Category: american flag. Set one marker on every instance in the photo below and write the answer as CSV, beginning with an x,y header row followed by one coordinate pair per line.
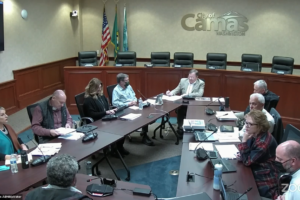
x,y
105,41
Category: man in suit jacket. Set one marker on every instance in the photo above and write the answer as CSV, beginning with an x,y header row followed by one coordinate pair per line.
x,y
191,86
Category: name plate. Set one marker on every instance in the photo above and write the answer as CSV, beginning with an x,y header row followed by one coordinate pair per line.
x,y
280,72
247,70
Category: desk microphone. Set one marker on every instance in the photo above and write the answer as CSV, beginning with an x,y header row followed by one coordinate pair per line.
x,y
41,160
244,193
210,111
204,140
89,137
146,104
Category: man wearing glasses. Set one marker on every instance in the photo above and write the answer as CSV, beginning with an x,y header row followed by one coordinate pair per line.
x,y
257,102
50,115
288,155
123,95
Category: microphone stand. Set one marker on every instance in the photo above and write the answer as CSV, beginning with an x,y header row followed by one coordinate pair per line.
x,y
204,140
244,193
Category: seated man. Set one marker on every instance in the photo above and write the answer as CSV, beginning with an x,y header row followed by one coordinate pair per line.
x,y
123,94
257,102
260,87
61,176
288,155
50,115
191,86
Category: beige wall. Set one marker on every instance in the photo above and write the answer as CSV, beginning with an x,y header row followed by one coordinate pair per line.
x,y
49,33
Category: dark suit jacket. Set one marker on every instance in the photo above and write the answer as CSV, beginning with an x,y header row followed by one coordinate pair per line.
x,y
95,108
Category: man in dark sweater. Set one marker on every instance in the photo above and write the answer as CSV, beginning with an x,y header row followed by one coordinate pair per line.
x,y
50,115
61,176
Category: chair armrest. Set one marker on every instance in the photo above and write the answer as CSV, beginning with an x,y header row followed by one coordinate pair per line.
x,y
85,120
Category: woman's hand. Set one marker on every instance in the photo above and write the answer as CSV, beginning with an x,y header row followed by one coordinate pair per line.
x,y
110,112
247,136
7,157
24,147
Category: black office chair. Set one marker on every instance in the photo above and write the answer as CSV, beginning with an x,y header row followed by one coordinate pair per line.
x,y
160,59
271,104
79,99
291,133
251,62
216,61
110,90
278,127
87,58
183,59
282,65
126,58
30,110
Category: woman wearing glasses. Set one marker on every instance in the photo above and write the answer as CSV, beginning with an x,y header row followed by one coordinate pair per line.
x,y
258,150
96,106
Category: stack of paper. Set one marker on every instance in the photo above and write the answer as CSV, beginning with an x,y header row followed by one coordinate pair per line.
x,y
194,124
206,146
72,136
47,149
227,151
225,116
171,98
63,131
151,101
216,99
7,162
131,116
228,136
134,107
202,99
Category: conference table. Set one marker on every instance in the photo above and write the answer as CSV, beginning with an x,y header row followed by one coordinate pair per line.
x,y
242,179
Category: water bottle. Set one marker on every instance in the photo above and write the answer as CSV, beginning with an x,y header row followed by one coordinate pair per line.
x,y
89,168
140,103
217,176
13,163
24,159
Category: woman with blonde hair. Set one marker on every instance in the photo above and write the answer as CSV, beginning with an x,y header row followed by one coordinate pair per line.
x,y
96,106
9,141
258,151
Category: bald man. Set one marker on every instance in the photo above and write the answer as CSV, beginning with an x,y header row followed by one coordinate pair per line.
x,y
49,116
288,154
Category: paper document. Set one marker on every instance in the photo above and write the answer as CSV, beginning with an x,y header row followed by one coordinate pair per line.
x,y
131,116
171,98
227,151
228,135
205,146
47,149
229,140
225,115
72,136
216,99
151,101
202,98
7,162
64,131
134,107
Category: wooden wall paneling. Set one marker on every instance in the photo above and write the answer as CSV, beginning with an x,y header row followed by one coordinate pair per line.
x,y
51,76
8,99
239,86
158,81
76,81
213,83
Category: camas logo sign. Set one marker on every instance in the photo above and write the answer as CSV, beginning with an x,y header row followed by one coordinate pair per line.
x,y
229,24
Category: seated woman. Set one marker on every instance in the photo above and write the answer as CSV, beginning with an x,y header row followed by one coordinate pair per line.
x,y
96,106
258,150
9,141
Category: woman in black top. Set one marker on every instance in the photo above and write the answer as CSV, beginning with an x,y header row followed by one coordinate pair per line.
x,y
96,106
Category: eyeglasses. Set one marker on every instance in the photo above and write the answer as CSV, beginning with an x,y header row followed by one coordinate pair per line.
x,y
249,124
287,161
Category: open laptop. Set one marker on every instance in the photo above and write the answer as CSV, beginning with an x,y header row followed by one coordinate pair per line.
x,y
230,195
227,166
202,136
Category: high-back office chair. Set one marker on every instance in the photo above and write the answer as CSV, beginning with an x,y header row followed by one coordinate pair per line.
x,y
251,62
271,104
126,58
184,59
291,133
160,59
79,99
278,127
282,65
216,61
87,58
30,110
110,90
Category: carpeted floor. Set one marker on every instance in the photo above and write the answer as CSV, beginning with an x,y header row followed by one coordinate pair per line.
x,y
156,175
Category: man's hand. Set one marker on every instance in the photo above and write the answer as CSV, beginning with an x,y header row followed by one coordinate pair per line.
x,y
24,147
168,93
132,103
110,112
54,133
68,126
247,136
281,197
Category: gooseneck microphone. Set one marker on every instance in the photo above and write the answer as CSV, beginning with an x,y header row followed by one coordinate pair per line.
x,y
210,111
244,193
205,140
41,160
89,180
144,104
